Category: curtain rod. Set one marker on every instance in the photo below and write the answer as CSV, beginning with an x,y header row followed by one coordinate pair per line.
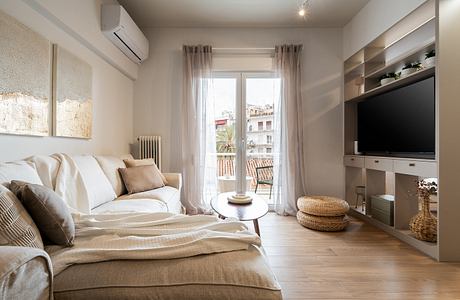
x,y
243,51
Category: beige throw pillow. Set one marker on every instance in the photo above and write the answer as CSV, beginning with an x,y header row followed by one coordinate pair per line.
x,y
144,162
142,178
16,226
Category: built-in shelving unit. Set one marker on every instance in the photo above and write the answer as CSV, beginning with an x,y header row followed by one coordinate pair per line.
x,y
396,176
406,42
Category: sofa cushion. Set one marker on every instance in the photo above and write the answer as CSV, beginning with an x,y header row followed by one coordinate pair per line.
x,y
167,194
97,185
16,226
47,169
140,179
241,274
145,162
132,205
18,170
110,166
49,212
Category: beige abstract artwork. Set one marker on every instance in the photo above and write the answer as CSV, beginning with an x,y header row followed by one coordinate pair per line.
x,y
25,79
73,106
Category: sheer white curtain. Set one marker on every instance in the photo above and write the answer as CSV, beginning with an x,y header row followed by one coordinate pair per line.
x,y
288,165
198,130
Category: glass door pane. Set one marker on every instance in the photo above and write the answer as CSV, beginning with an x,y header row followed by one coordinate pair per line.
x,y
261,92
225,93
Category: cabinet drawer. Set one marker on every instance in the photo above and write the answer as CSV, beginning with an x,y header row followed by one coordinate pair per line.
x,y
417,168
353,161
377,163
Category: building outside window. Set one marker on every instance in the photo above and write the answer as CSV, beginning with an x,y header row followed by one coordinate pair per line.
x,y
268,150
269,139
260,126
268,125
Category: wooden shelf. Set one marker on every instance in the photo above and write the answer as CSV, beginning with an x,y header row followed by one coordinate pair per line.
x,y
421,74
357,71
406,42
379,53
396,64
422,15
431,249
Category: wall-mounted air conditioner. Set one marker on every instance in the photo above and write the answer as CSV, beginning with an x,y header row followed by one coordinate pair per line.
x,y
121,30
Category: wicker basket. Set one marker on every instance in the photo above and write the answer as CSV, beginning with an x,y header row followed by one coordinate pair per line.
x,y
323,206
322,223
424,225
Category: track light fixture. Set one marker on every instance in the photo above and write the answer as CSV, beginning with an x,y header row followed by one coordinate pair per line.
x,y
303,9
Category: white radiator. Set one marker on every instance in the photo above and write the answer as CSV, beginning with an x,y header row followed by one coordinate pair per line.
x,y
150,147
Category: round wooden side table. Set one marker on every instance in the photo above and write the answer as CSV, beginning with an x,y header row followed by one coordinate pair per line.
x,y
243,212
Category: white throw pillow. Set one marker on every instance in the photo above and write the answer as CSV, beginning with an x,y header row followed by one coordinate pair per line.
x,y
110,166
19,170
97,185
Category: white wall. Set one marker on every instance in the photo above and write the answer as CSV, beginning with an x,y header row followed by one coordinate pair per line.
x,y
372,20
112,91
158,92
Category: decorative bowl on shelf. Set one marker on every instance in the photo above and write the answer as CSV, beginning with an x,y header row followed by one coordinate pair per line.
x,y
385,81
408,71
430,62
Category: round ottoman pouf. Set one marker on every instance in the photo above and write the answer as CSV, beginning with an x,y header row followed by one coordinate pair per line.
x,y
322,206
322,223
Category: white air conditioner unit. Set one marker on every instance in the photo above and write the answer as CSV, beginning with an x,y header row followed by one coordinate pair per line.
x,y
121,30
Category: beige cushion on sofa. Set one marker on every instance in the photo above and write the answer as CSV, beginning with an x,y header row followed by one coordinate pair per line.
x,y
16,226
19,170
142,178
98,186
231,275
144,162
110,166
167,194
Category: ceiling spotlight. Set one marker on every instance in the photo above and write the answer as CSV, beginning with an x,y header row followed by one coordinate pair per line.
x,y
303,9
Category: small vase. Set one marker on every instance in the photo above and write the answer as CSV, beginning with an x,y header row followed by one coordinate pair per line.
x,y
430,62
387,80
424,225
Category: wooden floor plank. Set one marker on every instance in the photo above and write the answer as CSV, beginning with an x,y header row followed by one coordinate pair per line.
x,y
362,262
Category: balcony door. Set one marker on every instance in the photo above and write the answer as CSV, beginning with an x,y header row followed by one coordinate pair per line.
x,y
244,111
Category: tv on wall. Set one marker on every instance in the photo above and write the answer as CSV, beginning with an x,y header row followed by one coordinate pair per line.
x,y
400,122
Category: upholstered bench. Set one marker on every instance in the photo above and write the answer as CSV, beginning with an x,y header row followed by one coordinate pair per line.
x,y
322,213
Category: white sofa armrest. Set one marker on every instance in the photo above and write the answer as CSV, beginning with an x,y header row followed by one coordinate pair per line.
x,y
25,273
174,180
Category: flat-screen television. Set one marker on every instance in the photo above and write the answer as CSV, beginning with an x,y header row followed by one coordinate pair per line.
x,y
400,122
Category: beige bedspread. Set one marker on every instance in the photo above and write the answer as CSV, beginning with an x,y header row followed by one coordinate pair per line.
x,y
150,236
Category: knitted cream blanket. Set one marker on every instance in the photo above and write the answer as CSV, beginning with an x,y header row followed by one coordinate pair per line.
x,y
149,236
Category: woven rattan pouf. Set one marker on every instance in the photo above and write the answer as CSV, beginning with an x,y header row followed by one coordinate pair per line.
x,y
322,213
322,223
322,206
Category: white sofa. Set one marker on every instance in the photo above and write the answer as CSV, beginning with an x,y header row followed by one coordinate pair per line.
x,y
106,192
26,273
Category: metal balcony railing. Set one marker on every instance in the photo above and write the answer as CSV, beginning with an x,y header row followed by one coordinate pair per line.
x,y
226,165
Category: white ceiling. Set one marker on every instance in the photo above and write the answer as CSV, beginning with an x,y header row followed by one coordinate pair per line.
x,y
240,13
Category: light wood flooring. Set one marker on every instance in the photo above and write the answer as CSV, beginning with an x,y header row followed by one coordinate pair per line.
x,y
362,262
